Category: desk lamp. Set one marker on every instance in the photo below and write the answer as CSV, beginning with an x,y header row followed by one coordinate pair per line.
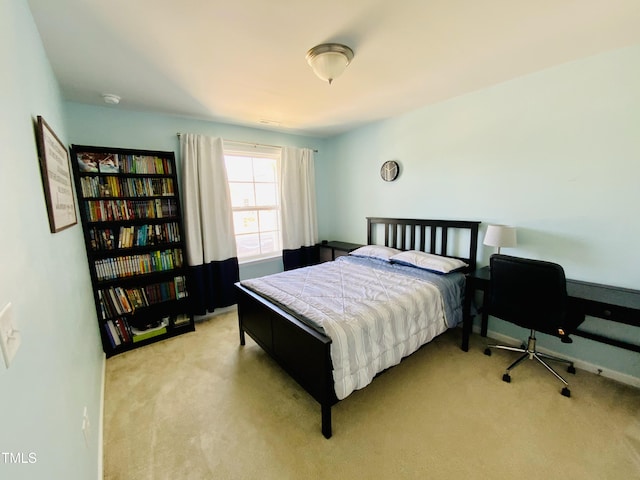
x,y
500,236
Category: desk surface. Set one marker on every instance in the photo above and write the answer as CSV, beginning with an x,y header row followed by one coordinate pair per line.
x,y
610,295
623,297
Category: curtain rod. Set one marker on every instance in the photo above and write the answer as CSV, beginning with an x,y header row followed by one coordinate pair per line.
x,y
253,144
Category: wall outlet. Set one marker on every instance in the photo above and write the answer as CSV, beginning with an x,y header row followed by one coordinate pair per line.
x,y
9,335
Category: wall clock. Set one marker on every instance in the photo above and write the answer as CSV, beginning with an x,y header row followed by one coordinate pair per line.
x,y
389,170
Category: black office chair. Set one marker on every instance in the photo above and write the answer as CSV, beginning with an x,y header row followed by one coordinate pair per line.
x,y
533,295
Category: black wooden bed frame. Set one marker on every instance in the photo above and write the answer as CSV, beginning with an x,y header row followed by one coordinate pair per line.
x,y
303,352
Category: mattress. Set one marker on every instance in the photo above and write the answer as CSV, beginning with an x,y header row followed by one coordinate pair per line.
x,y
375,313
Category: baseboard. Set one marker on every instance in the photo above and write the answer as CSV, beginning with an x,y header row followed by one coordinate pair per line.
x,y
215,313
101,421
581,364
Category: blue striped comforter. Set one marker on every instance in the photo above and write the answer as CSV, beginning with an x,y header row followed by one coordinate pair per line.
x,y
376,313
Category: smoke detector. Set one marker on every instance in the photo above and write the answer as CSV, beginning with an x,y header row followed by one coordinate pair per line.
x,y
110,98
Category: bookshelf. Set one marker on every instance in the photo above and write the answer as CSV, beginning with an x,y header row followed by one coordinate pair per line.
x,y
130,212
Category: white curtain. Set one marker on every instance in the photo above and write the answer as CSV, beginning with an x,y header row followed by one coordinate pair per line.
x,y
207,204
208,219
298,198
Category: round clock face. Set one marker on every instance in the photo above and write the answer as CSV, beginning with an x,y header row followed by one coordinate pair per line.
x,y
389,170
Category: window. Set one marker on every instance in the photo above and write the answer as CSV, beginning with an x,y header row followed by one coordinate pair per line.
x,y
253,184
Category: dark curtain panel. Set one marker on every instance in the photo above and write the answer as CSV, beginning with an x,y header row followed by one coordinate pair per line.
x,y
211,285
300,257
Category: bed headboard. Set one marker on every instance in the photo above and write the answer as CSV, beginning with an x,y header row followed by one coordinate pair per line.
x,y
452,238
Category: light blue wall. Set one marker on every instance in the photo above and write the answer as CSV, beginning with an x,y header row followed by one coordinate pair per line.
x,y
556,154
57,370
118,127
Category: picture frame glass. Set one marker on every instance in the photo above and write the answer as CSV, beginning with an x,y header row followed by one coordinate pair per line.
x,y
56,178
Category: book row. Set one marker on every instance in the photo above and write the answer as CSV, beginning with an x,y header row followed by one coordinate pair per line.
x,y
145,164
115,301
161,292
130,265
134,236
105,162
111,186
120,332
115,210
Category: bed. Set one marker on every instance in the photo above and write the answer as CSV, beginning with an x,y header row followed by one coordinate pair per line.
x,y
310,335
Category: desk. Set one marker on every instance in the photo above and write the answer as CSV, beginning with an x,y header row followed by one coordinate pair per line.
x,y
621,305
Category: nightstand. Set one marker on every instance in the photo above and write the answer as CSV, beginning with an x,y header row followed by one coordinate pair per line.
x,y
331,250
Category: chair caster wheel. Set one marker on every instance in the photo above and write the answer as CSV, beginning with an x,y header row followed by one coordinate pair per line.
x,y
566,392
487,352
571,369
506,378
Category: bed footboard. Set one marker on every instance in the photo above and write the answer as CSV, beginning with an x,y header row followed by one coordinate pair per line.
x,y
300,350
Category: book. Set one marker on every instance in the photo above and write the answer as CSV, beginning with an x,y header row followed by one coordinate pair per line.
x,y
181,319
123,300
122,327
135,298
180,287
109,335
113,333
104,190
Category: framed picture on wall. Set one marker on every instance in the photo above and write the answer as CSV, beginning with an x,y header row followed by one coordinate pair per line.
x,y
56,177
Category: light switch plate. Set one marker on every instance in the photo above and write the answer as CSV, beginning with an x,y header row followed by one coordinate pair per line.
x,y
9,335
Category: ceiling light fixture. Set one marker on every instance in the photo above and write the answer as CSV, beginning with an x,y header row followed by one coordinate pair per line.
x,y
329,60
110,98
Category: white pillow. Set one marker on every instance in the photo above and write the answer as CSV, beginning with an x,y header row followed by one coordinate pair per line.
x,y
428,261
376,251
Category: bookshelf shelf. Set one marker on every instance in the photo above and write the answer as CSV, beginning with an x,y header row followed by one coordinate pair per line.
x,y
130,210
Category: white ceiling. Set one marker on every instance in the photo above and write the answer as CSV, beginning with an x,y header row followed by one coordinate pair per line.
x,y
243,61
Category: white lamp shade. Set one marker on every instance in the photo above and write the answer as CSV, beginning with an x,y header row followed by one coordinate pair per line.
x,y
500,236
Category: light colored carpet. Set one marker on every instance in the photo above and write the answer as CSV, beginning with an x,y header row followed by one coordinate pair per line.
x,y
199,406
